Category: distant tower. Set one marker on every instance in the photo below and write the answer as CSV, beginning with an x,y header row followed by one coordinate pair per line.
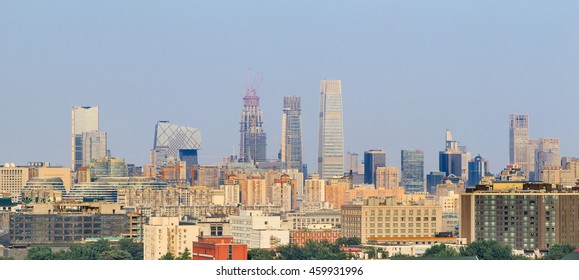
x,y
477,169
291,131
519,151
87,143
450,160
175,142
331,132
252,147
372,160
412,165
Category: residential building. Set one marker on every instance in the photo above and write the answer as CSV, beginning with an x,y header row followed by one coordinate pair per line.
x,y
331,132
258,230
385,217
523,215
168,235
387,177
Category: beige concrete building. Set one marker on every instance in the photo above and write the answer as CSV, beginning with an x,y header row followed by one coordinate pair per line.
x,y
13,178
558,175
387,177
232,194
165,235
303,220
315,190
253,191
385,217
64,173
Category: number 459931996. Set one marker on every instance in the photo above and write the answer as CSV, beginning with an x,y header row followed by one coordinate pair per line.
x,y
322,270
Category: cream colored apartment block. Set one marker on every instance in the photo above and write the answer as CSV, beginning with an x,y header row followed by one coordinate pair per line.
x,y
385,217
164,235
281,194
315,190
256,192
258,230
231,194
12,179
387,177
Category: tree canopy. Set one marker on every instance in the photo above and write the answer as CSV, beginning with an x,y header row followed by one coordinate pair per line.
x,y
557,251
125,249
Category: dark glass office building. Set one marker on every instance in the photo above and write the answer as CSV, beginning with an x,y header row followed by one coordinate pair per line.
x,y
372,160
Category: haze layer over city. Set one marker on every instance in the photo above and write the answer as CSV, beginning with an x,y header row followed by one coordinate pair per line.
x,y
409,71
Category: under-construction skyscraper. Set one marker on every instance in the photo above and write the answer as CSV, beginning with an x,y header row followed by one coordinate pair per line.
x,y
252,147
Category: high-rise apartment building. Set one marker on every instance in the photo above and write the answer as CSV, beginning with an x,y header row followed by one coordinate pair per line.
x,y
412,165
291,132
252,146
387,177
519,150
331,132
85,119
372,160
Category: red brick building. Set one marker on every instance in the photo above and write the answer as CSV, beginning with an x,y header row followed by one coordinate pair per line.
x,y
301,237
218,248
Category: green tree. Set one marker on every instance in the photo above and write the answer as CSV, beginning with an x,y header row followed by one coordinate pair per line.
x,y
186,255
134,248
40,253
168,256
556,251
312,251
116,255
440,250
260,254
487,250
348,241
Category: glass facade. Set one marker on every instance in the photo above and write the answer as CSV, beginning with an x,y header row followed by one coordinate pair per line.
x,y
331,132
252,148
412,165
291,142
372,160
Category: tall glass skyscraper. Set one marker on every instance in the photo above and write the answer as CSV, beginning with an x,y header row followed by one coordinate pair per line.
x,y
477,169
331,132
252,146
412,165
85,119
291,131
372,160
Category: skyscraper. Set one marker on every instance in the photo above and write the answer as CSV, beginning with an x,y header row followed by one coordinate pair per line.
x,y
547,154
412,165
519,151
477,168
372,160
94,146
450,160
291,131
252,146
352,163
84,119
177,142
331,133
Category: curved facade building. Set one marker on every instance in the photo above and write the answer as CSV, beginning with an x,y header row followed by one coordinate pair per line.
x,y
106,188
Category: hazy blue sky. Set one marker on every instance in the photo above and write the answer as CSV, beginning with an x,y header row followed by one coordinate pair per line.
x,y
409,70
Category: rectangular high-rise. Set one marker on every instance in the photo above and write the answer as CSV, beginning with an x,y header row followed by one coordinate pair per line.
x,y
291,142
331,132
519,141
372,160
84,119
412,165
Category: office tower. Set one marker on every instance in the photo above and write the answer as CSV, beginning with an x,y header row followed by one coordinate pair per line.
x,y
291,131
13,178
519,142
252,148
352,163
94,146
433,179
412,165
331,133
372,160
387,177
547,154
175,142
108,167
477,168
84,119
450,160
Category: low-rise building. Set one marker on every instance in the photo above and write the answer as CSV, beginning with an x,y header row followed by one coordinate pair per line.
x,y
218,248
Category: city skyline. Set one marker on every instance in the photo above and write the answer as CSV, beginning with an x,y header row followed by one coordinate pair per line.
x,y
397,72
